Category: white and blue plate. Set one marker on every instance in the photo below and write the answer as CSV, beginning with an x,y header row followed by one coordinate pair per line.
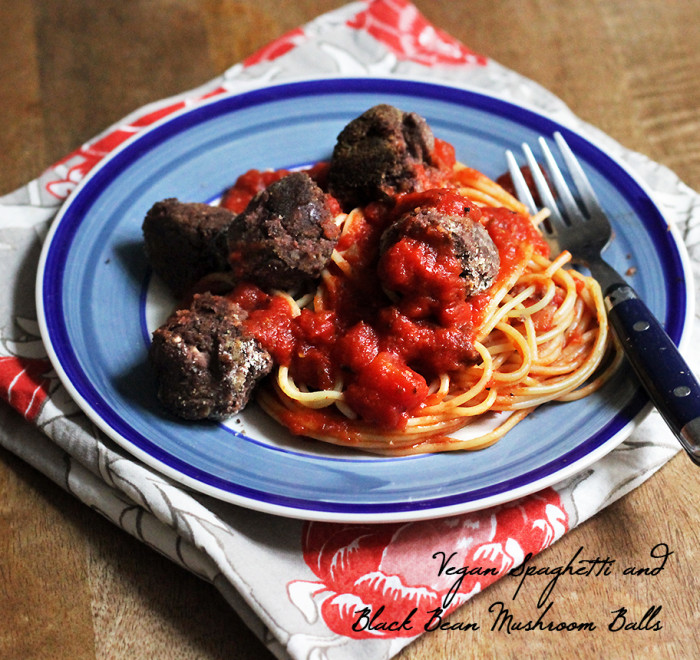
x,y
98,304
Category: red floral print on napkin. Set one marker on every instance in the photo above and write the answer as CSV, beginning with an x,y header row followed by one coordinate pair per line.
x,y
276,48
399,25
373,575
24,383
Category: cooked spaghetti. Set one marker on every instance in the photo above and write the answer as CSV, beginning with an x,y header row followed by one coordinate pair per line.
x,y
382,300
387,353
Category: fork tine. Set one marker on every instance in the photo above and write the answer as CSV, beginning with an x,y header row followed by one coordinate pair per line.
x,y
565,197
542,185
522,191
588,197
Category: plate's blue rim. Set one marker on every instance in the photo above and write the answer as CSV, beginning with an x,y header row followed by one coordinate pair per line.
x,y
70,219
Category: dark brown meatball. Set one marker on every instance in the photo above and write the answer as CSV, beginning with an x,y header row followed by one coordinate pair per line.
x,y
185,241
205,364
468,240
380,153
285,236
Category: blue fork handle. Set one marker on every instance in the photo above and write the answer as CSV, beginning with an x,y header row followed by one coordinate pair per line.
x,y
658,364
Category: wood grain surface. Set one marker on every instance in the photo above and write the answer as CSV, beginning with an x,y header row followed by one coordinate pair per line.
x,y
74,587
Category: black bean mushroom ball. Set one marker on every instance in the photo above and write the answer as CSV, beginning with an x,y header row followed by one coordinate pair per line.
x,y
205,364
468,240
285,236
382,152
186,241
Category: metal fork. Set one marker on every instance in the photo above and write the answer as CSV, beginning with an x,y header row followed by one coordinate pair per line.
x,y
579,224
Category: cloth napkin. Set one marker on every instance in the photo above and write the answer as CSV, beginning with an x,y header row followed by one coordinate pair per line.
x,y
317,576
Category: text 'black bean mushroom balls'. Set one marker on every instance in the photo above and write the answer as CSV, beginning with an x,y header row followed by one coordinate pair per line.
x,y
382,152
205,364
285,236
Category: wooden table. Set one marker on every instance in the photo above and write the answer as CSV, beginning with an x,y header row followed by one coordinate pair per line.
x,y
74,587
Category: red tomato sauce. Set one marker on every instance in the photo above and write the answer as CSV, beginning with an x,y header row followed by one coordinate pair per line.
x,y
250,183
443,156
445,200
512,233
386,349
